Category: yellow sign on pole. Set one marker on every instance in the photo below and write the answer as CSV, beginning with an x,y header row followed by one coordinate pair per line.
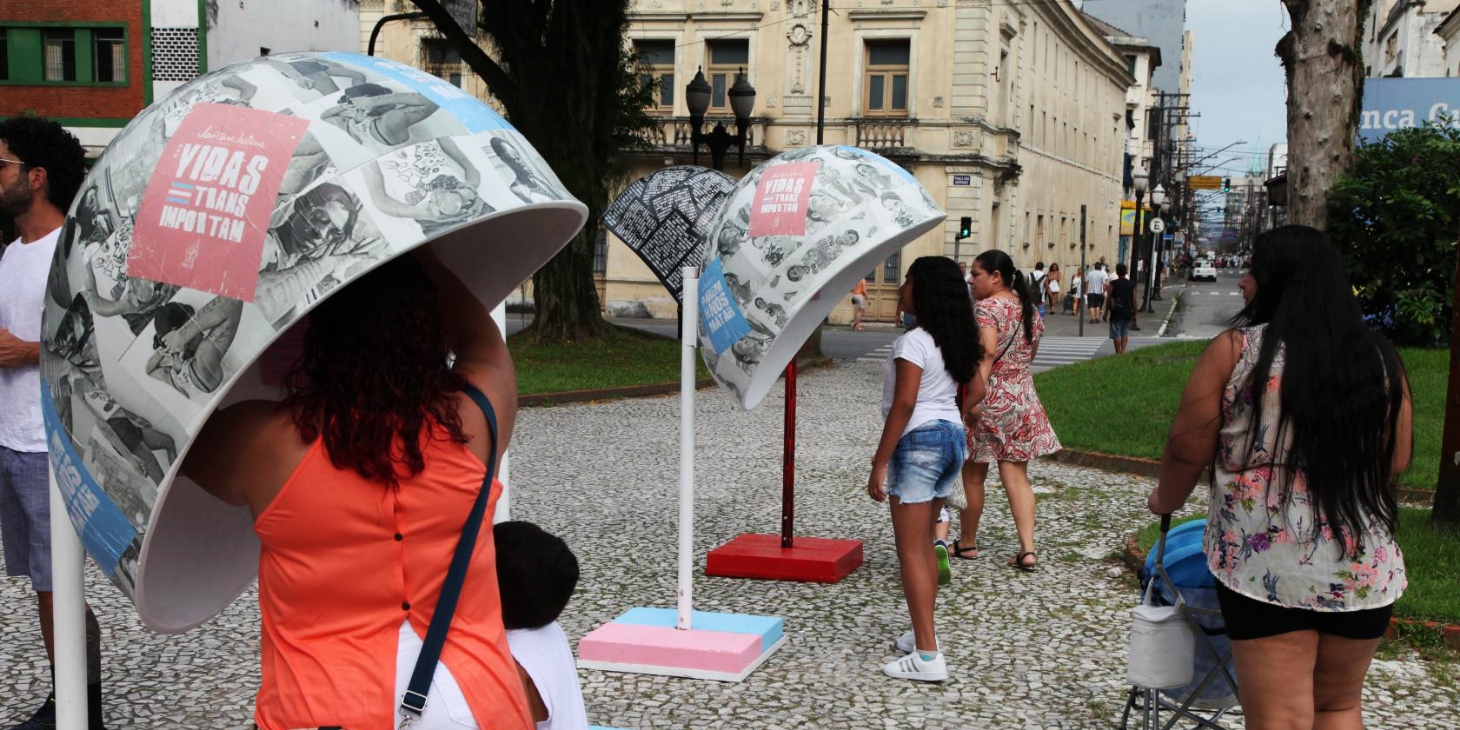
x,y
1204,182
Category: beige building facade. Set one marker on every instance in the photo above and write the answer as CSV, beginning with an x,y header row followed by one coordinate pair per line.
x,y
1011,114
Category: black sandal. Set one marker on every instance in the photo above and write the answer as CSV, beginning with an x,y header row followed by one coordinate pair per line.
x,y
960,552
1018,562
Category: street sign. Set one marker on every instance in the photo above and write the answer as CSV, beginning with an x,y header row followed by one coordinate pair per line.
x,y
1204,182
1157,225
962,179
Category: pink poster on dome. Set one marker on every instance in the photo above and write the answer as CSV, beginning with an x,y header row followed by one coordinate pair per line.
x,y
205,216
781,199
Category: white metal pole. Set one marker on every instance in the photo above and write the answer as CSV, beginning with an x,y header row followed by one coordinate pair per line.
x,y
69,600
503,512
690,327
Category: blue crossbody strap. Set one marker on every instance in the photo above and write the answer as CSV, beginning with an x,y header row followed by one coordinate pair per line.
x,y
413,702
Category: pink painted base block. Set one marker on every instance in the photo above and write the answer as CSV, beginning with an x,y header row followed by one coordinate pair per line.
x,y
710,652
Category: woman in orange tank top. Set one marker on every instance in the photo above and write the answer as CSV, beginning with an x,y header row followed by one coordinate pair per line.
x,y
359,483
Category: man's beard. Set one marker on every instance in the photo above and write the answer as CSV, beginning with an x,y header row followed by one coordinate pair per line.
x,y
16,199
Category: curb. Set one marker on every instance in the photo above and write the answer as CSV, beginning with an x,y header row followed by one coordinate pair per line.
x,y
1449,634
1107,462
1177,298
635,391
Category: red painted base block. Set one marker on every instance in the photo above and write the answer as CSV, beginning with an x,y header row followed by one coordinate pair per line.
x,y
811,560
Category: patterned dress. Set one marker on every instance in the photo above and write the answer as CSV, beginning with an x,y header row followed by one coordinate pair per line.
x,y
1014,426
1272,547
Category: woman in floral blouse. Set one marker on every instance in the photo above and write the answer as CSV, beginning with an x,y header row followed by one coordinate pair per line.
x,y
1306,416
1012,429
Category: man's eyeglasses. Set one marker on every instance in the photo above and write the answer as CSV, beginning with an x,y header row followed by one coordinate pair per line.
x,y
13,162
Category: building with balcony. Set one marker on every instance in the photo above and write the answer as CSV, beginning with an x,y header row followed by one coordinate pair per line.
x,y
93,66
1011,114
1400,39
1142,59
1449,33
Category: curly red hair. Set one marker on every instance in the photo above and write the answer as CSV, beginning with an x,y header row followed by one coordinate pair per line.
x,y
374,374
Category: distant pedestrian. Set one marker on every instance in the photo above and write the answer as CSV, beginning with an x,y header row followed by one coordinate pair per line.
x,y
859,304
1095,285
1122,304
1054,284
1036,286
1303,416
1012,427
1077,294
41,170
924,442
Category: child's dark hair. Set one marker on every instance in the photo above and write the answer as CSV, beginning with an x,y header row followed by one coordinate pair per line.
x,y
536,573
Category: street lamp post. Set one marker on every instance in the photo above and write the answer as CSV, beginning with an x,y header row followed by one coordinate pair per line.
x,y
1153,253
742,101
1139,180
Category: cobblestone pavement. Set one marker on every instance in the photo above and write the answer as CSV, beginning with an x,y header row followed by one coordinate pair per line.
x,y
1041,650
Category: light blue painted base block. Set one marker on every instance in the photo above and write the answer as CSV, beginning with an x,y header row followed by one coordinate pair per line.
x,y
770,629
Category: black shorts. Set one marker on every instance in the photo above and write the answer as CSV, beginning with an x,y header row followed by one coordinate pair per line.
x,y
1248,618
1097,300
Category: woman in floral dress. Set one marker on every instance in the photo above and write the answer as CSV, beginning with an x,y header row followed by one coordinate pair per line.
x,y
1306,416
1012,428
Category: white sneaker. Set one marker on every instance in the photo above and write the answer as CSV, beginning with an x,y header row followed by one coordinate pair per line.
x,y
914,667
907,644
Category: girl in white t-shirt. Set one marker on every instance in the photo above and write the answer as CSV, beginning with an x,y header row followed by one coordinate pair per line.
x,y
921,452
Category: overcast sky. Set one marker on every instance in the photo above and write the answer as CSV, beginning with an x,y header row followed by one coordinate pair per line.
x,y
1237,81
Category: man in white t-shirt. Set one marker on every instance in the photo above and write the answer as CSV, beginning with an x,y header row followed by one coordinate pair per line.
x,y
1095,285
41,169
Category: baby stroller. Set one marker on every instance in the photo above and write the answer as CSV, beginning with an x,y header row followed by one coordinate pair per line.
x,y
1176,576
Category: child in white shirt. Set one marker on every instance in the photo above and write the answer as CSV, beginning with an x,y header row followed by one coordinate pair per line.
x,y
536,573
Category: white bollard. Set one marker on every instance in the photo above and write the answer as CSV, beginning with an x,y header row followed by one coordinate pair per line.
x,y
690,327
503,511
69,600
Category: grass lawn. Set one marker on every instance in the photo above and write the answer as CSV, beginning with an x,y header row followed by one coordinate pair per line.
x,y
1124,405
1431,559
626,357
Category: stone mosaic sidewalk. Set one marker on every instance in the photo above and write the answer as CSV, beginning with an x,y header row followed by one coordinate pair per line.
x,y
1041,650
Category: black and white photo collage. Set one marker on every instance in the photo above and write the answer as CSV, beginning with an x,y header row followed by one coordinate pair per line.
x,y
390,157
855,203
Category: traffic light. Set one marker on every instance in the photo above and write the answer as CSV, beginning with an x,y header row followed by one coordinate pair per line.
x,y
1226,184
965,228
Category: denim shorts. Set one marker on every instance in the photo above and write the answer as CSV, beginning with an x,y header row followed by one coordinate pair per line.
x,y
25,516
927,462
1119,329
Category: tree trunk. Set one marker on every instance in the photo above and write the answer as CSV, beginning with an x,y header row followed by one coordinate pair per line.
x,y
1447,486
565,298
561,73
1325,75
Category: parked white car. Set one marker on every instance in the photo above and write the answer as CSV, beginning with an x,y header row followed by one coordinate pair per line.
x,y
1202,269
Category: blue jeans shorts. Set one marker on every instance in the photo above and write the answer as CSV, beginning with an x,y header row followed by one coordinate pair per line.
x,y
25,515
1119,329
927,462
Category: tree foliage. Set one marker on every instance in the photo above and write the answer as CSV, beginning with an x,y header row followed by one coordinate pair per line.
x,y
564,77
1395,218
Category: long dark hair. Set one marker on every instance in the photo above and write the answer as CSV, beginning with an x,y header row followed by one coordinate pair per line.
x,y
945,311
373,371
994,260
1342,384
